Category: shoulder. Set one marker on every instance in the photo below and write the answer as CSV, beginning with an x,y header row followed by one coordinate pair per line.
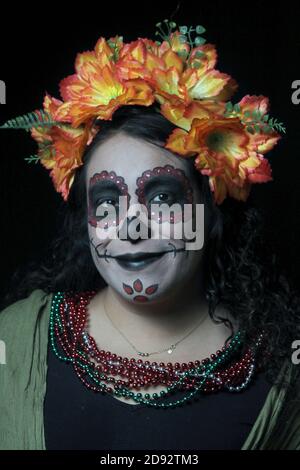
x,y
278,424
22,315
288,426
24,329
34,300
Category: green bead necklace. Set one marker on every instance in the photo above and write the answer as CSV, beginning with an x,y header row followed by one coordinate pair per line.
x,y
70,343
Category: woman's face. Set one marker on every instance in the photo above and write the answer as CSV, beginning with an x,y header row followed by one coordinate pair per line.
x,y
140,254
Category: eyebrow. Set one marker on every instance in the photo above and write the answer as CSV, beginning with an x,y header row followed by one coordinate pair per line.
x,y
156,180
103,185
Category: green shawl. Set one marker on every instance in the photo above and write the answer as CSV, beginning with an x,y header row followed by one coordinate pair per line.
x,y
24,330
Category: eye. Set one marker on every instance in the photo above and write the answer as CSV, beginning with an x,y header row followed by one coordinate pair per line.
x,y
105,203
163,197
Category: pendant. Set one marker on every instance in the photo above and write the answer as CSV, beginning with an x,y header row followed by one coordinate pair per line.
x,y
171,349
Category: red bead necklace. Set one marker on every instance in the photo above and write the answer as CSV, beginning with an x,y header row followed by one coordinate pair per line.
x,y
68,333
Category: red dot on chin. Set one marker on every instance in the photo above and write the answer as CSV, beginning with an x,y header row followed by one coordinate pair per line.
x,y
141,298
138,285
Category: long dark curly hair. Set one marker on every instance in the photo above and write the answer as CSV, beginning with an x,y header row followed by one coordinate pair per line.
x,y
241,270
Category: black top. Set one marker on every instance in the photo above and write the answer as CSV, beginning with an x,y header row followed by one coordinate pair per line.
x,y
78,418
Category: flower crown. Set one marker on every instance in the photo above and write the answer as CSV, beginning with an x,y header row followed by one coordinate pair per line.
x,y
227,140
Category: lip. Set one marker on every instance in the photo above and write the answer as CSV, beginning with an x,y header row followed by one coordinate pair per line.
x,y
138,261
141,260
140,255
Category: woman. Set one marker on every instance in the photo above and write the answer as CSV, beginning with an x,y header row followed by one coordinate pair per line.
x,y
218,319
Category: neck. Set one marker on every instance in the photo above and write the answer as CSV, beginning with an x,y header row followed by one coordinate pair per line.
x,y
166,317
150,327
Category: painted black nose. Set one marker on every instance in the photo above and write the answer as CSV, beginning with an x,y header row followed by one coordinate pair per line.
x,y
139,227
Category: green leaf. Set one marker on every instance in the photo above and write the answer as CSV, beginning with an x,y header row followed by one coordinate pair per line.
x,y
279,126
250,129
199,54
196,64
255,114
200,29
182,54
27,121
182,39
237,108
172,25
32,159
199,41
229,107
183,29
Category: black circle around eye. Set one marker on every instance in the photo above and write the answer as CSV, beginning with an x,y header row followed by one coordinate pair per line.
x,y
108,201
162,196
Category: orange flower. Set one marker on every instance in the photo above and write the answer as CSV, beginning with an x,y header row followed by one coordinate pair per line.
x,y
229,155
184,79
96,90
175,79
182,115
138,59
61,147
227,142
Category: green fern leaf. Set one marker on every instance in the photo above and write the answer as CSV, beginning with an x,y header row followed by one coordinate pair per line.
x,y
32,159
27,121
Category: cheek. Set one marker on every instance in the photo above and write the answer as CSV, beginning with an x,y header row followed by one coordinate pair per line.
x,y
185,269
179,224
104,225
102,233
98,245
109,220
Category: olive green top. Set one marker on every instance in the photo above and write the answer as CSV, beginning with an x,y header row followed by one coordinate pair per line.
x,y
24,329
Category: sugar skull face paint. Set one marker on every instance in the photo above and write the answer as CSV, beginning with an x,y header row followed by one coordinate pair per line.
x,y
140,270
139,292
105,188
164,184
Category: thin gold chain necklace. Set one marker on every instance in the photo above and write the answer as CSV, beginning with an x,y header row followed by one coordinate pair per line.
x,y
169,350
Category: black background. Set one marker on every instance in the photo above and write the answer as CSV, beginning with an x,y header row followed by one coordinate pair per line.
x,y
258,43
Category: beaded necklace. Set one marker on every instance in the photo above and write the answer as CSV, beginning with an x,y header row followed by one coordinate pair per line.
x,y
97,369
